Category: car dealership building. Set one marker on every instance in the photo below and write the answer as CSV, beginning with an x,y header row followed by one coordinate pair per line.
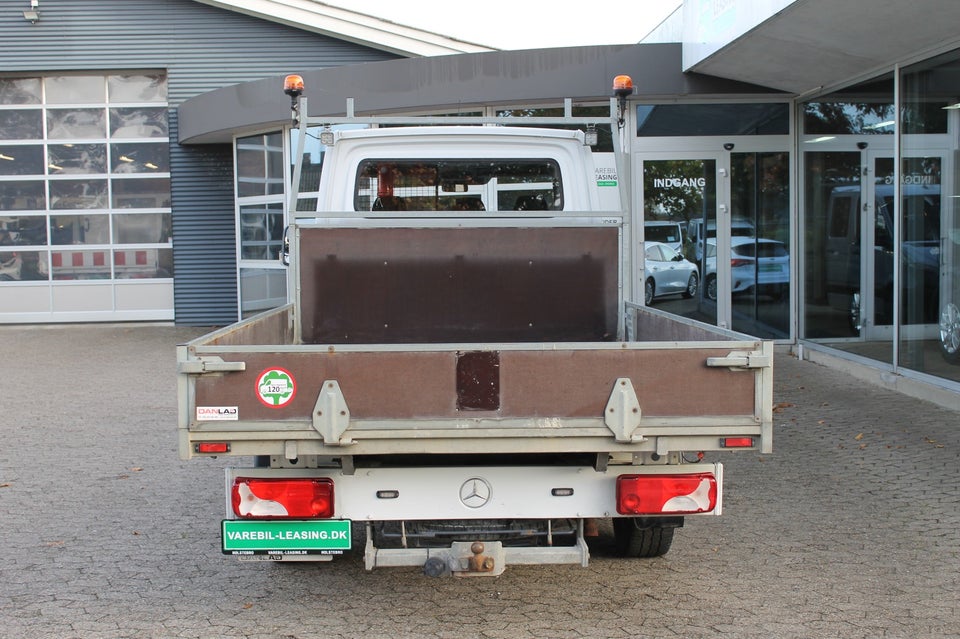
x,y
145,156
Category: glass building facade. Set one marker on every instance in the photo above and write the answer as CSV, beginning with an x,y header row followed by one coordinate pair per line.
x,y
880,240
830,222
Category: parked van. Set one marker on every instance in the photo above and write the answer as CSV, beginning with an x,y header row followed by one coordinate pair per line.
x,y
921,251
665,232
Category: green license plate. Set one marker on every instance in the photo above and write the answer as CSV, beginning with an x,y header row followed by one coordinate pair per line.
x,y
285,537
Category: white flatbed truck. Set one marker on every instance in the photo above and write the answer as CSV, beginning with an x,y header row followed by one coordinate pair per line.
x,y
463,368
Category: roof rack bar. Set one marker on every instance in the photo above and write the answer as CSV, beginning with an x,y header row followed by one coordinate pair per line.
x,y
566,119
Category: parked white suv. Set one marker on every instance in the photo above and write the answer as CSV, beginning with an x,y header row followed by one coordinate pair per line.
x,y
696,233
754,263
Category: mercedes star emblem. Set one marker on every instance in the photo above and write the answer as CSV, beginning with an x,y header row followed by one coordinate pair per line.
x,y
475,492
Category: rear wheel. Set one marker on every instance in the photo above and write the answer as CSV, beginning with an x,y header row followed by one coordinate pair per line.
x,y
642,538
950,333
648,291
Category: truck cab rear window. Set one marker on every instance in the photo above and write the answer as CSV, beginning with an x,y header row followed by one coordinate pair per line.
x,y
458,185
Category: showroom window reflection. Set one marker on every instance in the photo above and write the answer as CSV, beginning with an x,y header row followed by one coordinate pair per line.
x,y
879,274
930,217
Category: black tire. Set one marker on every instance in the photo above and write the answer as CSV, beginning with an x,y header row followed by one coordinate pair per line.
x,y
710,287
638,538
649,290
693,284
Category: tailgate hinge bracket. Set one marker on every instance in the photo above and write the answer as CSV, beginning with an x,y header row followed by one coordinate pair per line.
x,y
331,416
622,413
741,360
204,365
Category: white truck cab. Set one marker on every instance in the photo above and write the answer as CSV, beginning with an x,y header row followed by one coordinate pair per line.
x,y
442,168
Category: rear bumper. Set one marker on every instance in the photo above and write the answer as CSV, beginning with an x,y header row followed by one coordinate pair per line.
x,y
476,492
451,520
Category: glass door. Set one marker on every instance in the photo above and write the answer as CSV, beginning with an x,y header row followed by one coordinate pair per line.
x,y
679,200
760,243
852,242
919,245
728,215
831,242
923,253
849,251
877,250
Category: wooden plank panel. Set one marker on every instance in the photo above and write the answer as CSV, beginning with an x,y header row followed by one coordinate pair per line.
x,y
669,382
448,285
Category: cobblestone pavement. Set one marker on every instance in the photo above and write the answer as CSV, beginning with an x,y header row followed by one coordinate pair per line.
x,y
850,529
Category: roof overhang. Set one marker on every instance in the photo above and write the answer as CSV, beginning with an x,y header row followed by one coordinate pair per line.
x,y
812,45
351,26
453,83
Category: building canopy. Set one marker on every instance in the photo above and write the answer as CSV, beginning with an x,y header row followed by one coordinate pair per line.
x,y
453,83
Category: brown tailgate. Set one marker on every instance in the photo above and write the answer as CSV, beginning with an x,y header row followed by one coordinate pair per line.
x,y
530,383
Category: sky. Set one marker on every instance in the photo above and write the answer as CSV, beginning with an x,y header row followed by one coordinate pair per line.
x,y
523,24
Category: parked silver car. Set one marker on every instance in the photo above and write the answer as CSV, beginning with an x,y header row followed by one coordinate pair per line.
x,y
668,273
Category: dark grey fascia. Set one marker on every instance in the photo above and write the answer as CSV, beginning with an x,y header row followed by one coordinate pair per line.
x,y
454,83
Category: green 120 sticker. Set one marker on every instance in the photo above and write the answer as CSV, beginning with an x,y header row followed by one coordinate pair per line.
x,y
276,387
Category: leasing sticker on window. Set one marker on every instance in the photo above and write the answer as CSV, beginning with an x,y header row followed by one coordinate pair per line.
x,y
606,176
276,387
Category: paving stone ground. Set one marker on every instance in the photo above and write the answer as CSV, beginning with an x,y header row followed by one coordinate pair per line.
x,y
850,529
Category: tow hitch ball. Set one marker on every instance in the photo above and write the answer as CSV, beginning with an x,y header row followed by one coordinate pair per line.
x,y
477,563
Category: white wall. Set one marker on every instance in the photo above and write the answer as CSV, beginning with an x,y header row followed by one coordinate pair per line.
x,y
709,25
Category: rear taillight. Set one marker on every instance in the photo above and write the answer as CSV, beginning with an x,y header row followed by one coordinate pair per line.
x,y
272,498
737,442
660,494
212,448
738,262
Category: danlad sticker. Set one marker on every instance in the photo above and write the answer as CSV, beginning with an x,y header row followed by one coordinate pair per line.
x,y
217,413
276,387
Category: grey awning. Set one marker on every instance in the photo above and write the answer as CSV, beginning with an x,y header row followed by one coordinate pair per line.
x,y
451,83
